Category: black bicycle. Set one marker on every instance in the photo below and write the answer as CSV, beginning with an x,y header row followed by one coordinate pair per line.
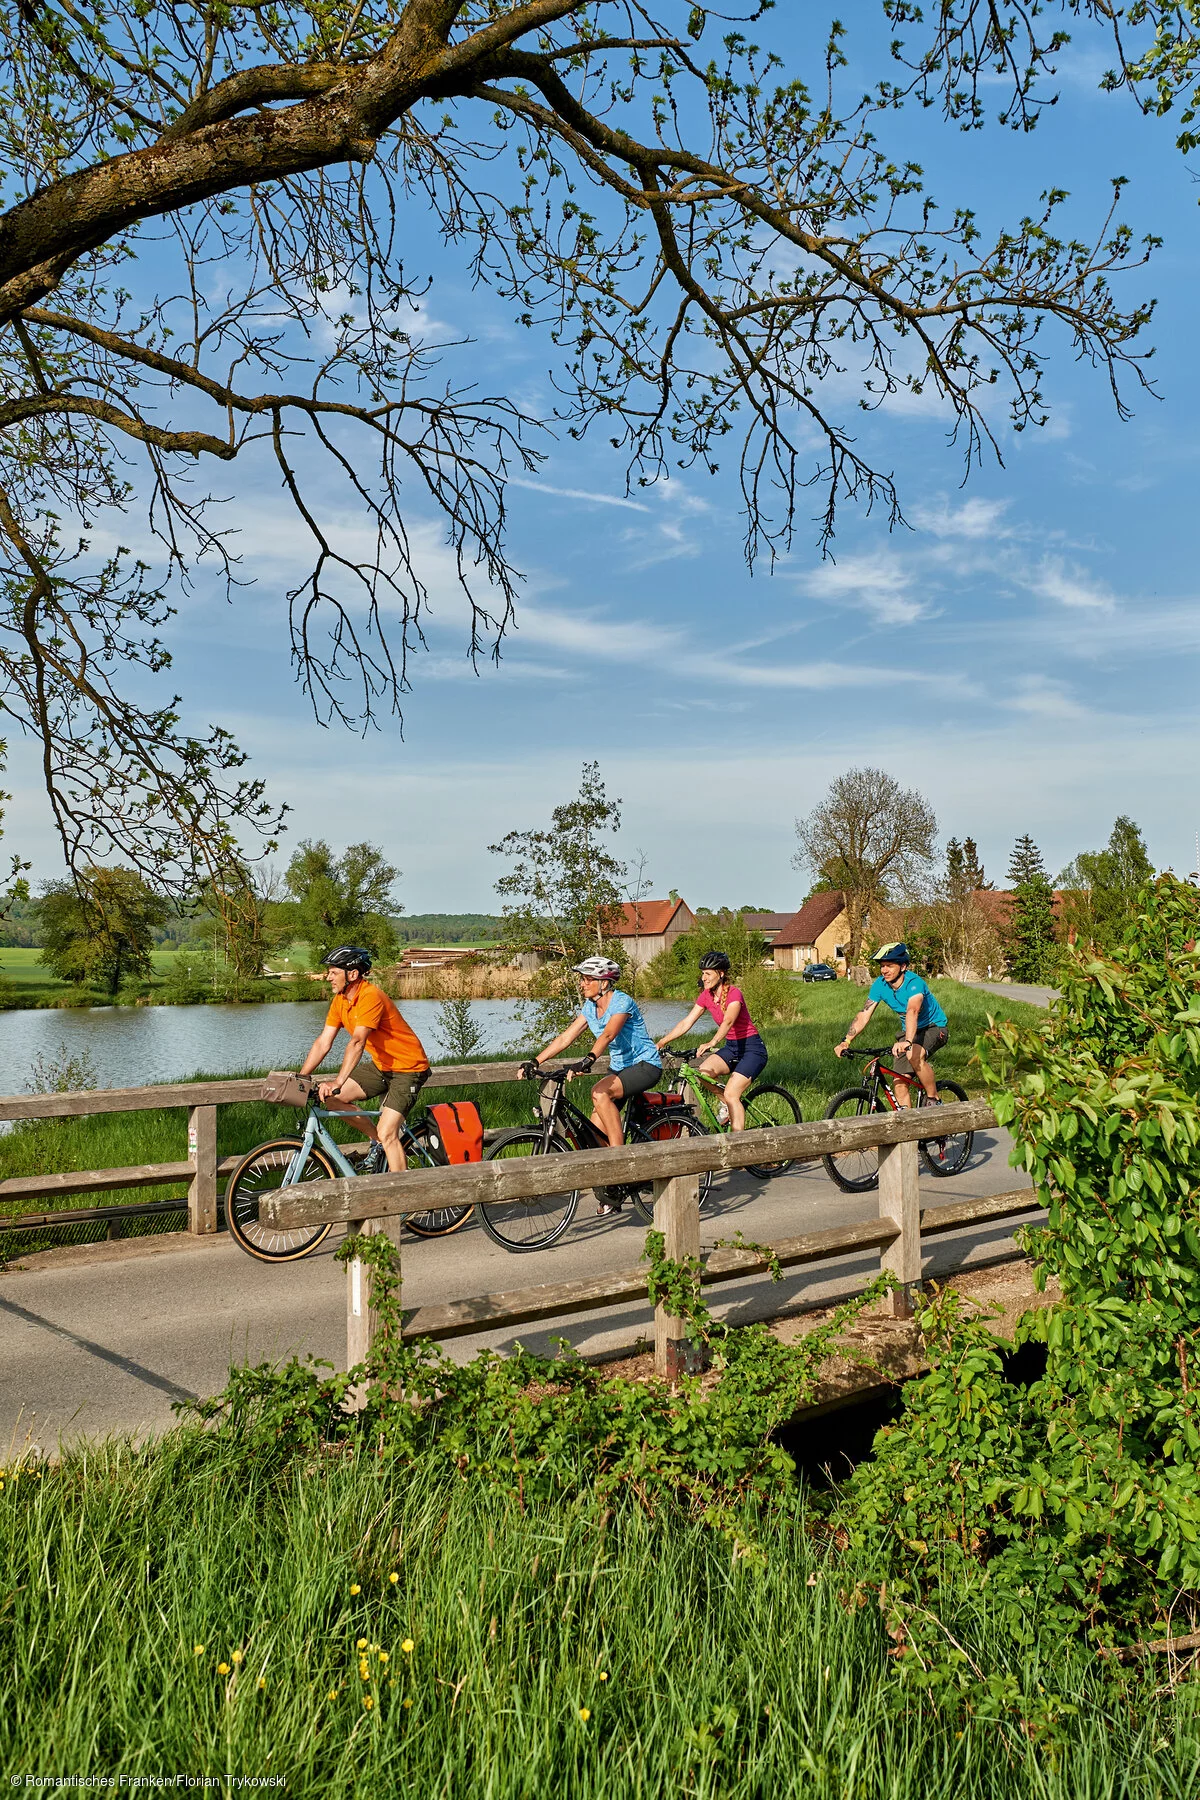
x,y
536,1223
858,1170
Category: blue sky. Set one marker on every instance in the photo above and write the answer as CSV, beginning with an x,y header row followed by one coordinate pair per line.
x,y
1025,651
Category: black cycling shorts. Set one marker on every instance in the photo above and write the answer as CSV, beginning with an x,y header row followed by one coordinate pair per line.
x,y
931,1038
638,1077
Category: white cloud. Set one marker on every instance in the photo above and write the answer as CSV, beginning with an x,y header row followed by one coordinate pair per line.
x,y
1047,698
544,487
1070,586
592,634
973,519
878,582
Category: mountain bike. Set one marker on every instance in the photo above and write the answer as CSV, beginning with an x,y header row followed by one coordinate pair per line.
x,y
765,1104
536,1223
858,1170
283,1162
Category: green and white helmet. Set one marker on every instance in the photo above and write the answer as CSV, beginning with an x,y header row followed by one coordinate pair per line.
x,y
897,953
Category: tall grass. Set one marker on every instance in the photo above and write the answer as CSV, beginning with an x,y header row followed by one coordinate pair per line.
x,y
177,1609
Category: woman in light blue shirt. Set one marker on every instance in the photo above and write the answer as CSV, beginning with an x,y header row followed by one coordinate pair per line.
x,y
614,1019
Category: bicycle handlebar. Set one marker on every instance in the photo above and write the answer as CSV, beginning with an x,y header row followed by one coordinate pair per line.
x,y
562,1073
883,1050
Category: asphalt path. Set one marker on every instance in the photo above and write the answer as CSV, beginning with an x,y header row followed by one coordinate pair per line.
x,y
103,1338
1018,990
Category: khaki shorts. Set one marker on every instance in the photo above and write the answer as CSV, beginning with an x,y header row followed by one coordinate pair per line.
x,y
393,1088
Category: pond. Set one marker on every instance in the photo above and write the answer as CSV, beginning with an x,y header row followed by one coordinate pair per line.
x,y
133,1046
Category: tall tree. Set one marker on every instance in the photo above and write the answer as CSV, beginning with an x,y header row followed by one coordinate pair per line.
x,y
270,157
1031,950
972,871
343,899
563,894
872,839
1102,886
98,930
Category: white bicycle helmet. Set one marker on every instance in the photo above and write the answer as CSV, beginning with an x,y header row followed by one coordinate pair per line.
x,y
598,968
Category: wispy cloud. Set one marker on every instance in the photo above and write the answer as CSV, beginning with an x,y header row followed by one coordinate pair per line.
x,y
878,582
973,519
1070,586
1046,698
545,487
595,635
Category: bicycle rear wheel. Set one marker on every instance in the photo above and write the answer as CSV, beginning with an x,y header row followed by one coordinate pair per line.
x,y
855,1170
768,1104
422,1154
946,1155
527,1224
668,1125
260,1172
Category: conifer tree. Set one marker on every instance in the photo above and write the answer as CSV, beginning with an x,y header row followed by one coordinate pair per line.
x,y
1030,949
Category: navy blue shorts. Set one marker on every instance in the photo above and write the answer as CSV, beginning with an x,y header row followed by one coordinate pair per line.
x,y
748,1056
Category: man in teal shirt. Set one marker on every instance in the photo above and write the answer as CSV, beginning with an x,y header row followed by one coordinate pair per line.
x,y
924,1028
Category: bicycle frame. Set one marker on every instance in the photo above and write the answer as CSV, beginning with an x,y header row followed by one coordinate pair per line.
x,y
876,1074
315,1133
706,1103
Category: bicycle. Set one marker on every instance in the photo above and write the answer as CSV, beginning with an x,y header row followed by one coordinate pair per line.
x,y
314,1156
857,1171
536,1223
765,1104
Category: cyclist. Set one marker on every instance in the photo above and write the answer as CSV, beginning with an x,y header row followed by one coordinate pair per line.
x,y
615,1021
385,1059
924,1030
735,1053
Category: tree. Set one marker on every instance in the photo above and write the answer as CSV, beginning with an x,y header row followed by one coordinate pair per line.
x,y
98,931
664,215
872,839
964,871
1101,886
342,899
1030,948
563,896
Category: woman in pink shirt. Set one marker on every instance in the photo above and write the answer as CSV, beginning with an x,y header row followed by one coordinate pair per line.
x,y
735,1054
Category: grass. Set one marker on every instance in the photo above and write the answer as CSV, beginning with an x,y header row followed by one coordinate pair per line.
x,y
801,1059
180,1608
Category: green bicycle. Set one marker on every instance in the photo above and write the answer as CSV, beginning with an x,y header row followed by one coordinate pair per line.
x,y
766,1104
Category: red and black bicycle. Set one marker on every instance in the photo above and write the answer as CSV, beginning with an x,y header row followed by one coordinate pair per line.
x,y
858,1170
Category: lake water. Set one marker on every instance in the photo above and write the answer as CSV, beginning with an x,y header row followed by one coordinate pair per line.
x,y
133,1046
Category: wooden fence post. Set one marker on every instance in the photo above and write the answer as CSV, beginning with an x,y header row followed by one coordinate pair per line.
x,y
899,1201
677,1216
202,1154
362,1320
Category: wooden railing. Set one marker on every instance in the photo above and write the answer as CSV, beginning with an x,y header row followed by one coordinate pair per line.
x,y
202,1170
367,1202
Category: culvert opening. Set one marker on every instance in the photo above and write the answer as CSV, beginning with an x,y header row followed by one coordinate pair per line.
x,y
827,1448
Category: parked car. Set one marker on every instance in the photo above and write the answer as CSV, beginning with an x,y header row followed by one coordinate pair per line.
x,y
819,972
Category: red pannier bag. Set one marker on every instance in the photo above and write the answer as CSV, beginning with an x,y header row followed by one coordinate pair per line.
x,y
460,1128
655,1103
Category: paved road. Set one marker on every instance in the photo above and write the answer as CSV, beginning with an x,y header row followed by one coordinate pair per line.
x,y
1018,990
103,1338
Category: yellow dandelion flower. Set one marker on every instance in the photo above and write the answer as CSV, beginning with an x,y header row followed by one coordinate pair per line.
x,y
333,1693
262,1682
199,1649
368,1702
585,1713
354,1588
393,1578
222,1668
236,1657
384,1658
604,1674
361,1644
408,1646
408,1702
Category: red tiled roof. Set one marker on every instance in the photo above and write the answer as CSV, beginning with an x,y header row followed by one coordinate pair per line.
x,y
996,905
815,916
649,918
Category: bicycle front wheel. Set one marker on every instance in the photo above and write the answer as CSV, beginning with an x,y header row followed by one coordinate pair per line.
x,y
673,1125
855,1170
262,1172
420,1154
765,1105
946,1155
528,1224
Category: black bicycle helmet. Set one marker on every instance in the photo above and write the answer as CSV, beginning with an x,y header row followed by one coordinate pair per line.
x,y
715,959
349,956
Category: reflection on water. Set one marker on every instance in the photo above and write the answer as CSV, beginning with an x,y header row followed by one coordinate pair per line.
x,y
132,1046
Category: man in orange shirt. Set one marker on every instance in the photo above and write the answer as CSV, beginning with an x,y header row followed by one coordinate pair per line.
x,y
385,1059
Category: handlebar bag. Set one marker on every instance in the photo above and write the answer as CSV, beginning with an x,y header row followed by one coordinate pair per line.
x,y
282,1088
460,1128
